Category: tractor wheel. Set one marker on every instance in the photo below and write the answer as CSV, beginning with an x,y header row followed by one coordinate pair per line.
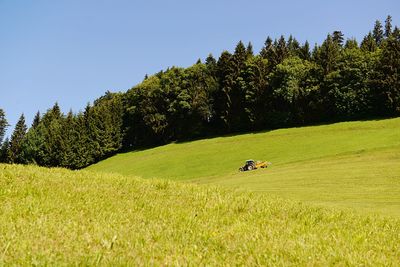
x,y
250,167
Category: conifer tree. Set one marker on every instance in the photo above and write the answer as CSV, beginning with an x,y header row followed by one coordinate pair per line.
x,y
4,151
351,43
305,51
328,54
378,32
211,65
337,37
16,140
3,125
388,26
396,31
267,49
388,79
369,43
249,50
36,120
282,50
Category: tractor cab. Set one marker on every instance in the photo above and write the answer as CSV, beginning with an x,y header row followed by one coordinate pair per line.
x,y
250,162
248,166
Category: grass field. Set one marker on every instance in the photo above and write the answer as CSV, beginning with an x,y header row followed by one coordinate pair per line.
x,y
61,218
348,165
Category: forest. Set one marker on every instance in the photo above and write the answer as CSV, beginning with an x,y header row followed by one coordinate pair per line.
x,y
286,84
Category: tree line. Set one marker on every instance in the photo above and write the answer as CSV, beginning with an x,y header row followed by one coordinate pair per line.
x,y
286,84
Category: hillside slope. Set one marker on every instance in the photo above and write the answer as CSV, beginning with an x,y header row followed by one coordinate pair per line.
x,y
63,218
350,164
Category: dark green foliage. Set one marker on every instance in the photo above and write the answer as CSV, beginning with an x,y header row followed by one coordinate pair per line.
x,y
293,46
388,26
387,78
327,55
369,43
304,52
351,44
349,95
249,50
3,125
285,85
4,151
17,138
36,120
337,37
378,32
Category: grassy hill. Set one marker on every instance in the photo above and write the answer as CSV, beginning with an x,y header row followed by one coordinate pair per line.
x,y
58,217
347,165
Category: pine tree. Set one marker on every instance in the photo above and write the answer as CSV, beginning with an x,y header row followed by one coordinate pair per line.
x,y
4,151
3,125
388,26
378,32
293,46
351,44
369,43
36,120
396,32
267,50
240,54
282,50
337,37
388,79
328,54
16,140
249,50
305,51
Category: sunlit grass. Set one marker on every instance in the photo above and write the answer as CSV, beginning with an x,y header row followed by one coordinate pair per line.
x,y
59,217
348,165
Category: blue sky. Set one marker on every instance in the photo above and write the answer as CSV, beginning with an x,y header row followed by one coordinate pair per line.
x,y
73,51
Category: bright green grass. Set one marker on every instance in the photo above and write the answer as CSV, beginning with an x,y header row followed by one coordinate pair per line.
x,y
63,218
351,164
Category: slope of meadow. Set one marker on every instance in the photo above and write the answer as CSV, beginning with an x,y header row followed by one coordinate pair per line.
x,y
59,217
350,164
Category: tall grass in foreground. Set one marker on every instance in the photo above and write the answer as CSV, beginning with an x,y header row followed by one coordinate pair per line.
x,y
61,217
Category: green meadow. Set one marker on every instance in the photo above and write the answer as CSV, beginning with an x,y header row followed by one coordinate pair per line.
x,y
57,217
349,165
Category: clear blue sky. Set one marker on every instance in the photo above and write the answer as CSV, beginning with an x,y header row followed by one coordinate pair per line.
x,y
72,51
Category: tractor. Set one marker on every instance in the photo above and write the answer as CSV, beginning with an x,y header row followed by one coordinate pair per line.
x,y
252,165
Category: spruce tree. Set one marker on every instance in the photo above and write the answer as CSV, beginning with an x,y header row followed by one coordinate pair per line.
x,y
3,125
388,26
267,49
351,44
337,37
16,140
293,46
378,32
368,43
396,31
328,54
305,51
388,79
36,120
4,151
249,50
282,50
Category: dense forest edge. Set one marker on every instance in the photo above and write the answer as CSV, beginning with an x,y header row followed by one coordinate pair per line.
x,y
286,84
